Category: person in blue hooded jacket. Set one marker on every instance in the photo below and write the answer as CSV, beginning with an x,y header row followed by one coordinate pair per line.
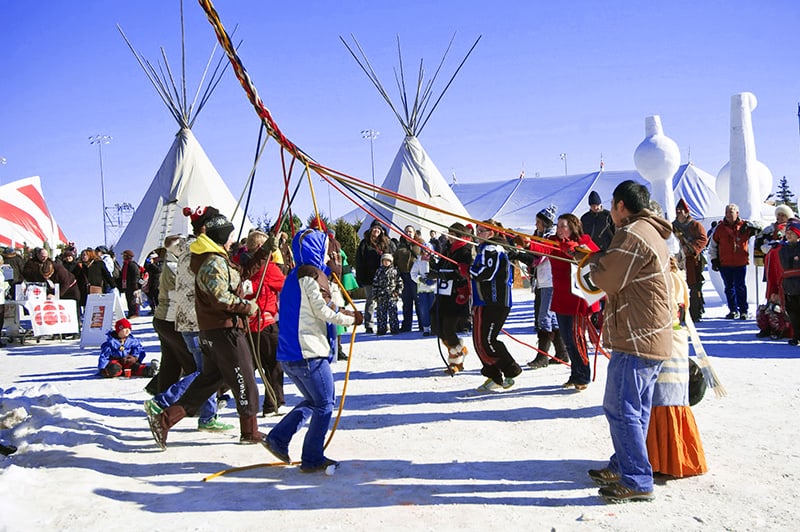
x,y
121,351
306,346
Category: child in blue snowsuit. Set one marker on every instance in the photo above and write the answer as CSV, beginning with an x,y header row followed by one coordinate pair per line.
x,y
122,351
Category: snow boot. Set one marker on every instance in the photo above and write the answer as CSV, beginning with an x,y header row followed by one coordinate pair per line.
x,y
249,431
160,423
455,357
541,360
561,348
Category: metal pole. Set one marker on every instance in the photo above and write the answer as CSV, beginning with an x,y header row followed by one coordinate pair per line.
x,y
372,159
371,135
100,140
564,158
3,161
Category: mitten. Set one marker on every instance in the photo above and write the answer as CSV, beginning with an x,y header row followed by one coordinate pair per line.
x,y
715,264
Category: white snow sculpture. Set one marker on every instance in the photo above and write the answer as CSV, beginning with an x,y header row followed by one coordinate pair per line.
x,y
657,159
744,180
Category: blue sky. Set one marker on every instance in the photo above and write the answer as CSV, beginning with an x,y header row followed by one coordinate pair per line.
x,y
578,78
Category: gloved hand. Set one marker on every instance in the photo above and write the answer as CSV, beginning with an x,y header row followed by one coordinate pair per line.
x,y
271,244
516,254
433,274
579,252
253,310
129,360
428,281
751,228
359,317
715,264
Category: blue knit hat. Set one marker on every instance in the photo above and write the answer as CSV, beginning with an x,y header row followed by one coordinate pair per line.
x,y
548,214
594,198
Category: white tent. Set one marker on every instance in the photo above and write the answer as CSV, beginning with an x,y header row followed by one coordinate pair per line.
x,y
412,174
515,202
186,177
24,216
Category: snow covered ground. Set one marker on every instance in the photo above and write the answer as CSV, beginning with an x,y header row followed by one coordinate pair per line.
x,y
420,450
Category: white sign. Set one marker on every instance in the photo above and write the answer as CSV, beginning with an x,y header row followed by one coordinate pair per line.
x,y
99,315
53,316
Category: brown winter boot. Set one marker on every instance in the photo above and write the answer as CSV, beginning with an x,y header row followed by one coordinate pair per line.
x,y
160,423
249,431
541,360
561,348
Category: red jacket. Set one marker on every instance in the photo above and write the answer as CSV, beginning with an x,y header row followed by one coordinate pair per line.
x,y
564,301
267,295
731,239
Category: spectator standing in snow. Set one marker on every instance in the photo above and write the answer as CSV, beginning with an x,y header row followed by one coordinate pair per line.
x,y
635,274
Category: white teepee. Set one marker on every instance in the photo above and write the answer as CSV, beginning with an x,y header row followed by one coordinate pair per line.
x,y
412,174
186,177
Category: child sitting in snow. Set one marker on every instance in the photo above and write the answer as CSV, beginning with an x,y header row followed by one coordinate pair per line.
x,y
386,288
122,351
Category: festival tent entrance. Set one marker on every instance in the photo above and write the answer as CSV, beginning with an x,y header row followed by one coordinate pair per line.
x,y
412,174
186,177
25,219
515,202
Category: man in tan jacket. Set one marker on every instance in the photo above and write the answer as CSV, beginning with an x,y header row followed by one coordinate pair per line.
x,y
634,273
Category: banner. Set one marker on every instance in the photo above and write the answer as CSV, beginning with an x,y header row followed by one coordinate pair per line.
x,y
99,315
53,316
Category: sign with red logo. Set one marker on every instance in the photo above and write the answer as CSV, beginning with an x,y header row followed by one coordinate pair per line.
x,y
53,316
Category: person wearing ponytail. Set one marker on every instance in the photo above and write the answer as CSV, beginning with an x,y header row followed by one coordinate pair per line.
x,y
572,312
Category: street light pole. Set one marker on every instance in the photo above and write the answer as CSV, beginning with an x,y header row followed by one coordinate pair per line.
x,y
371,135
564,158
3,161
100,140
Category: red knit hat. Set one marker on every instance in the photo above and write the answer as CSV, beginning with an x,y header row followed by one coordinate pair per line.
x,y
200,216
122,324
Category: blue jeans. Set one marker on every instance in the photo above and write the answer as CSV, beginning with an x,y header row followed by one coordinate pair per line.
x,y
314,380
735,287
545,318
369,306
580,372
425,300
627,401
409,298
171,395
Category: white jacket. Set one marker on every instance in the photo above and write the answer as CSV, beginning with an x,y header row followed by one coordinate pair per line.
x,y
419,271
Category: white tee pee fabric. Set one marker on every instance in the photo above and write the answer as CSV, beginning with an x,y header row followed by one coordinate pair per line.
x,y
186,179
25,218
413,174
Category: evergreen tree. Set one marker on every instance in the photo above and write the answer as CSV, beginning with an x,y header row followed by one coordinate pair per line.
x,y
784,195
